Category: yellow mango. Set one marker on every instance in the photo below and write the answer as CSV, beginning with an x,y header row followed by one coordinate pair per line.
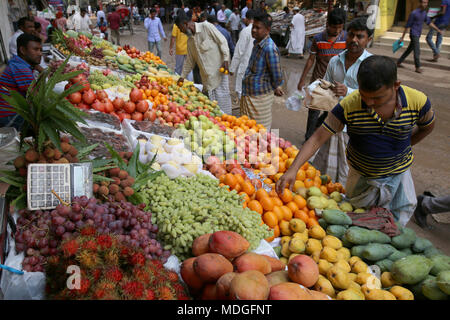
x,y
372,294
350,294
368,280
297,225
285,229
324,285
360,266
285,239
316,256
353,260
292,255
338,278
332,241
329,254
343,253
313,245
285,252
352,276
388,296
296,245
324,266
361,278
284,260
401,293
343,265
387,280
301,235
317,232
353,285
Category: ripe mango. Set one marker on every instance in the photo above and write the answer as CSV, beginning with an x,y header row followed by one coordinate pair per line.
x,y
361,278
376,294
284,260
343,265
316,256
360,266
387,280
313,245
343,253
350,294
329,254
324,266
332,241
297,225
285,229
285,239
353,285
324,285
317,232
292,256
285,252
338,278
401,293
302,235
353,260
352,276
296,245
411,269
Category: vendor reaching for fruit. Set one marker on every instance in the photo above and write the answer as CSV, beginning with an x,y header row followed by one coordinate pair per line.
x,y
207,48
384,119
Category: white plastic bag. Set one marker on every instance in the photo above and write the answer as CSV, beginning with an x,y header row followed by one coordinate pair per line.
x,y
9,147
294,102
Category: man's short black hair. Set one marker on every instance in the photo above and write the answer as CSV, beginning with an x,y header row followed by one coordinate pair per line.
x,y
336,16
152,10
204,16
250,14
181,18
211,18
376,72
83,10
24,39
360,24
22,21
37,25
264,18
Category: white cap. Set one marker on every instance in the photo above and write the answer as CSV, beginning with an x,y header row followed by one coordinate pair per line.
x,y
296,9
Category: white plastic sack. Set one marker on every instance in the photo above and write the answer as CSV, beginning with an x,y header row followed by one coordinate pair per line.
x,y
9,147
294,102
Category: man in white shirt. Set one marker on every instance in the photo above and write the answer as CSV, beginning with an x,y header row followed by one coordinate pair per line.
x,y
26,25
297,36
100,14
154,32
242,52
82,22
233,23
207,48
221,16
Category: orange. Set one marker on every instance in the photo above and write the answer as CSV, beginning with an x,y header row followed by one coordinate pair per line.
x,y
270,219
287,213
270,239
289,151
299,184
237,187
305,166
276,231
277,201
299,201
286,196
239,178
317,180
311,222
310,172
324,189
154,92
289,162
267,203
312,213
301,214
247,187
308,183
282,167
268,181
261,193
293,206
222,178
273,193
317,184
278,212
230,180
278,175
255,206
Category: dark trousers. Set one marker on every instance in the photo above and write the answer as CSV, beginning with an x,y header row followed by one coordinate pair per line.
x,y
235,36
315,120
197,77
414,45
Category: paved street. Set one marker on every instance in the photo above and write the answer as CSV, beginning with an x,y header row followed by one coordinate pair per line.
x,y
432,162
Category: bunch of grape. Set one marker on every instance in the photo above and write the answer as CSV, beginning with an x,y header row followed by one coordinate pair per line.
x,y
40,233
97,53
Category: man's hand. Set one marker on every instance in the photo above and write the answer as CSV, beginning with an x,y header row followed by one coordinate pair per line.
x,y
340,89
231,73
165,39
287,178
300,85
279,92
171,51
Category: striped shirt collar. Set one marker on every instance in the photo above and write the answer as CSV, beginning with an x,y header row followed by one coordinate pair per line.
x,y
18,59
399,105
263,42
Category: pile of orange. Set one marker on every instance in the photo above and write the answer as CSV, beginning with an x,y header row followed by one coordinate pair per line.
x,y
155,96
149,56
241,125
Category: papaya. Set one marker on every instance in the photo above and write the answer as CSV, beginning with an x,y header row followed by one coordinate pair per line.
x,y
440,263
358,235
377,251
385,265
404,240
108,53
421,244
411,269
379,237
334,216
431,290
416,289
336,230
346,243
443,281
323,223
357,251
408,251
431,251
396,255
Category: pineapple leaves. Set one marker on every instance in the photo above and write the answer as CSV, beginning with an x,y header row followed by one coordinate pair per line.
x,y
52,133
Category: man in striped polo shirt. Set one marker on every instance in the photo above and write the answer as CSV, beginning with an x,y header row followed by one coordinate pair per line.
x,y
18,75
384,120
324,46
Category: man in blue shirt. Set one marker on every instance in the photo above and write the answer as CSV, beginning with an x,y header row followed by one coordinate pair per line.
x,y
441,22
225,32
415,23
155,31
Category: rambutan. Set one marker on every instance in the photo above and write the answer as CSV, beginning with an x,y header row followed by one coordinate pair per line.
x,y
96,274
70,248
104,241
133,289
137,259
111,257
114,274
165,293
142,275
149,294
88,259
173,276
88,231
98,294
84,286
183,296
89,245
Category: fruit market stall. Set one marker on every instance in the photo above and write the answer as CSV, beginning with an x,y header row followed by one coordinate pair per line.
x,y
177,200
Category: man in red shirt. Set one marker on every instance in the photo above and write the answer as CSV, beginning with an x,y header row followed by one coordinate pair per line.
x,y
114,25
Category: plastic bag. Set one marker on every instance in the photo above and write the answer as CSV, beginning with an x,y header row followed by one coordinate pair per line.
x,y
294,102
9,147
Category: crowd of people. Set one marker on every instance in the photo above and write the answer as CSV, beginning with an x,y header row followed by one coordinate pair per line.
x,y
362,142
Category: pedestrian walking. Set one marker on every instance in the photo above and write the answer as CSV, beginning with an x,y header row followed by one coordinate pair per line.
x,y
415,24
297,36
114,25
224,32
233,24
441,22
155,31
263,77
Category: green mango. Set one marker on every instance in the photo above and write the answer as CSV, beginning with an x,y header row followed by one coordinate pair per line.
x,y
377,251
443,281
385,265
421,244
411,269
440,263
397,255
336,230
404,240
431,290
334,216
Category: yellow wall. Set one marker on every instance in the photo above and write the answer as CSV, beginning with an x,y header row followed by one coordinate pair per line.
x,y
385,18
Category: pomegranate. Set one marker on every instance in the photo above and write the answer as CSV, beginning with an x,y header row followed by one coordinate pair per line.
x,y
142,106
118,103
88,97
129,107
135,95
